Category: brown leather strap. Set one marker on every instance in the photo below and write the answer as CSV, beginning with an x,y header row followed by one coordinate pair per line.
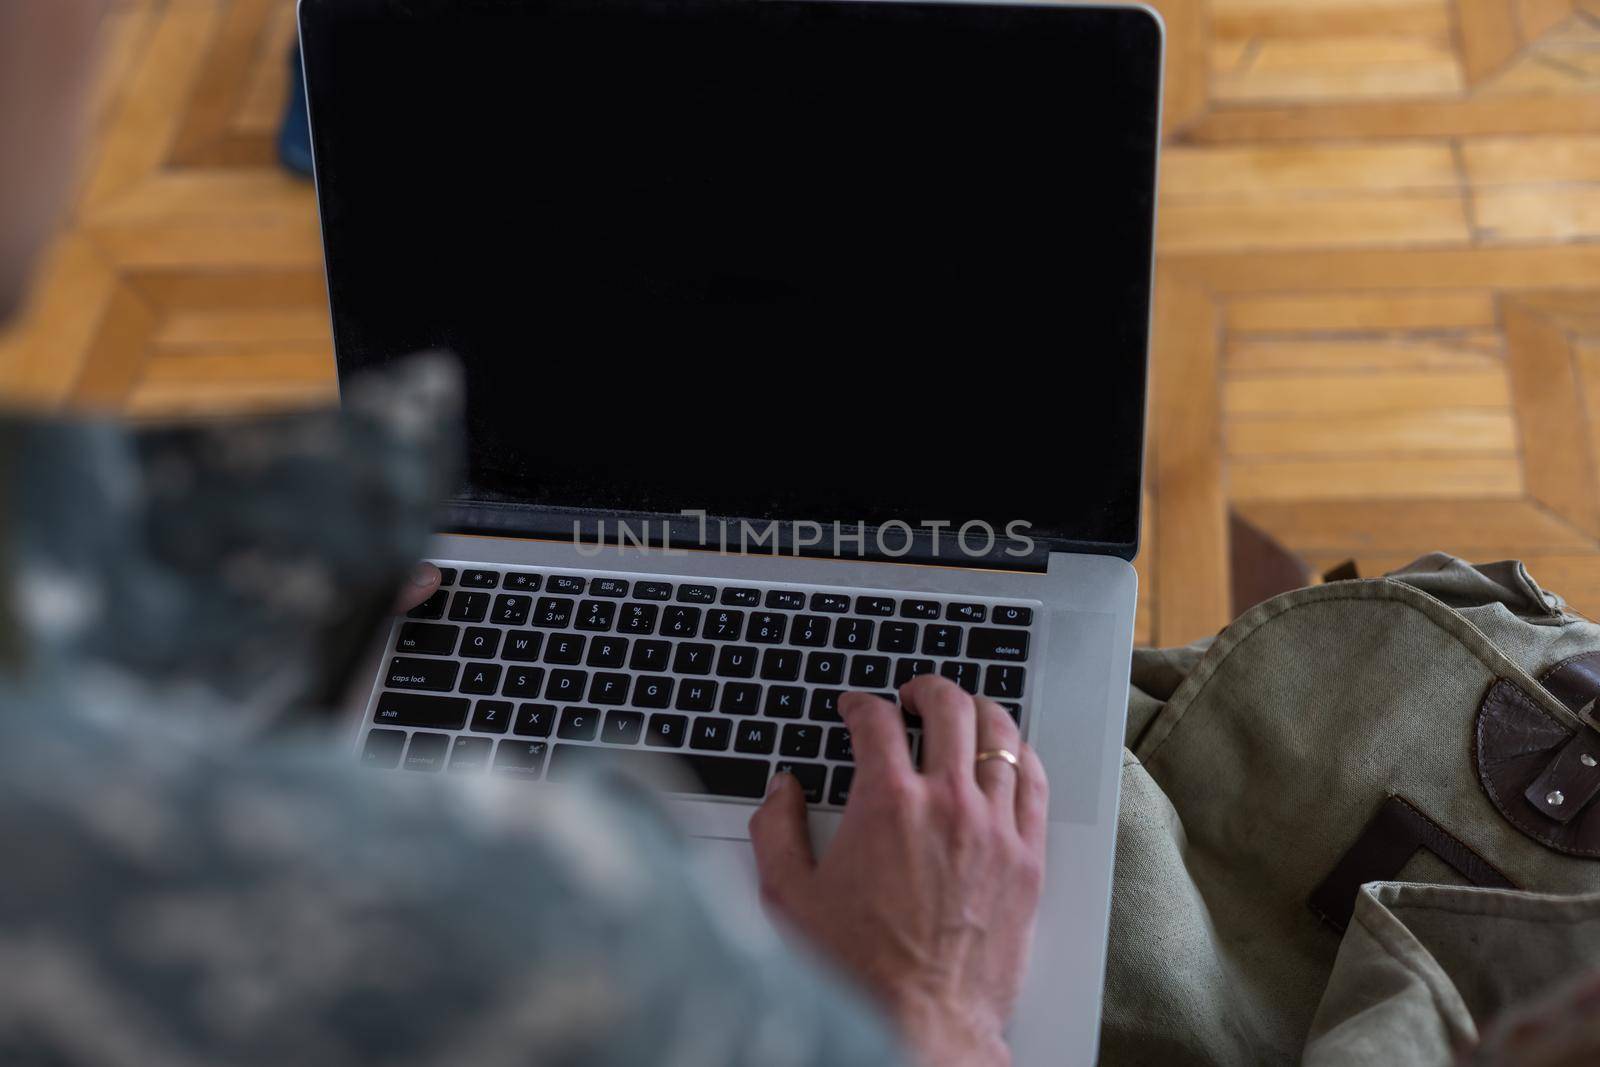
x,y
1571,781
1576,681
1389,841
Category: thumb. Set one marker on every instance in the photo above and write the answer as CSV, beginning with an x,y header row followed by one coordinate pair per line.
x,y
422,583
783,847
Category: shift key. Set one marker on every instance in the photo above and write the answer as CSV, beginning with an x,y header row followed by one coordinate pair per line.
x,y
997,644
408,672
414,709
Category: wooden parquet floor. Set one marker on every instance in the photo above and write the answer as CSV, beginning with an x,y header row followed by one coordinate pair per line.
x,y
1378,322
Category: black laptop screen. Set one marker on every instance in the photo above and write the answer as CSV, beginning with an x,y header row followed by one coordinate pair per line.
x,y
788,260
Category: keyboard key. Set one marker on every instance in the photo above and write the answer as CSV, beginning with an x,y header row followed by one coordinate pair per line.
x,y
740,698
428,639
1003,682
522,582
667,731
897,637
874,605
853,634
566,583
680,622
744,598
512,610
432,608
810,776
839,745
711,733
638,619
723,776
622,727
919,609
869,672
650,655
651,691
427,752
565,648
811,631
801,741
613,587
609,688
524,759
491,717
438,675
1007,615
825,705
785,598
696,695
447,576
756,736
1015,711
553,613
963,674
523,645
693,658
784,701
653,591
470,755
596,615
697,594
414,709
767,628
825,668
723,625
481,642
780,664
839,791
907,669
383,748
997,644
578,724
469,607
535,720
966,612
566,686
480,678
480,579
737,661
829,602
608,652
941,640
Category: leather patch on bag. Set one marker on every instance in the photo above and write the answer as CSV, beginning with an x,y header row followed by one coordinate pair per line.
x,y
1540,773
1390,840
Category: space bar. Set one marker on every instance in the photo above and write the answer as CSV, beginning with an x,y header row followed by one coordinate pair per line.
x,y
678,773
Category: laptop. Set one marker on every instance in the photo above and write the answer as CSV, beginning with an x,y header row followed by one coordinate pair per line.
x,y
804,345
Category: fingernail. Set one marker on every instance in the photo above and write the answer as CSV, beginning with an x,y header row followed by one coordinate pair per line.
x,y
777,780
424,574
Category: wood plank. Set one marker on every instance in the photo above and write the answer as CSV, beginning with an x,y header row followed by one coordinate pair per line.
x,y
1200,172
1538,213
1397,477
1324,69
1186,89
1361,312
1493,161
42,355
210,327
1407,432
1315,357
117,354
1430,18
1489,33
1326,395
221,81
266,91
246,288
1465,526
1561,471
1144,565
1476,116
1516,269
222,245
198,195
1538,16
1332,222
1192,585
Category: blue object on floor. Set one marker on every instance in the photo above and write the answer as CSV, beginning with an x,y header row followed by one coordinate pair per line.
x,y
294,139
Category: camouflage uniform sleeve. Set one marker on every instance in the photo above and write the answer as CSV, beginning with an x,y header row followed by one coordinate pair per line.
x,y
169,905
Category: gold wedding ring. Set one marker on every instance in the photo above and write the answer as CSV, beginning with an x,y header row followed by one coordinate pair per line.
x,y
996,753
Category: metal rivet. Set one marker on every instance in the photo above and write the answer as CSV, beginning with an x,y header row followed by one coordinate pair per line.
x,y
1555,798
1586,759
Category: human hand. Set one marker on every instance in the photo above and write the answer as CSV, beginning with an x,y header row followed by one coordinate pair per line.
x,y
421,584
928,893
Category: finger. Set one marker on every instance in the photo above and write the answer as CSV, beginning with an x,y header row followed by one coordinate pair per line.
x,y
782,842
1033,799
996,777
877,738
949,723
422,583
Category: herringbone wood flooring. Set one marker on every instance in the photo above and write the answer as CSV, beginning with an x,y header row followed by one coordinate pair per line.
x,y
1378,322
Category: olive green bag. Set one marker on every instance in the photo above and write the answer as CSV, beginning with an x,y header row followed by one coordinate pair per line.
x,y
1357,824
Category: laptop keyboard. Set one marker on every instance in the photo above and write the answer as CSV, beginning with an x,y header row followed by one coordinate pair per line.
x,y
541,674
